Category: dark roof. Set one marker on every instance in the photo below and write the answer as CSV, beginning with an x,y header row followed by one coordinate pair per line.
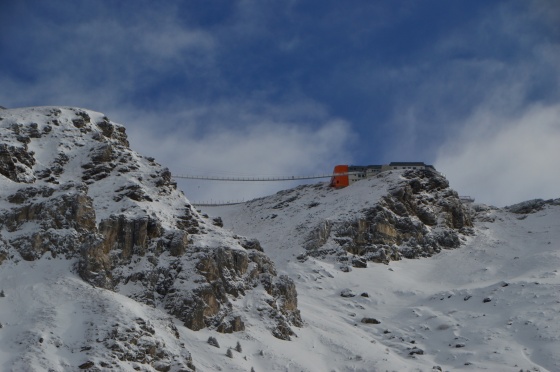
x,y
356,167
363,167
407,163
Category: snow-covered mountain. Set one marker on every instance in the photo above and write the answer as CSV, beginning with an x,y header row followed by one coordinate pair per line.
x,y
488,301
104,265
76,202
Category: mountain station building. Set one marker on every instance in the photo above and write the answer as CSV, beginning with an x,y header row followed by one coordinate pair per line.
x,y
345,175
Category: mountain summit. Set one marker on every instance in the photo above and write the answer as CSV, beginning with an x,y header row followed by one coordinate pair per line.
x,y
396,272
394,215
73,190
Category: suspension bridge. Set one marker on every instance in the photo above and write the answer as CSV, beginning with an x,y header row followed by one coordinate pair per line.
x,y
258,178
248,179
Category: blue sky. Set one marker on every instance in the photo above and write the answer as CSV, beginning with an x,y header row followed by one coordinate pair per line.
x,y
295,87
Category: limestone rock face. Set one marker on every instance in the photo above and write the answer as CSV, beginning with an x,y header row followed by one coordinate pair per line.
x,y
73,188
418,216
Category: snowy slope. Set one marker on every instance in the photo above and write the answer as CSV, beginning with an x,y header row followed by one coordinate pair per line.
x,y
281,222
491,304
435,304
52,320
86,221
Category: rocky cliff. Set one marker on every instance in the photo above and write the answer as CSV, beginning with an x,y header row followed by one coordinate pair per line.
x,y
397,214
417,217
71,187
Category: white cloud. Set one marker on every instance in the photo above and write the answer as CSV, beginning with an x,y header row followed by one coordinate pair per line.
x,y
263,146
503,160
502,62
506,148
101,60
462,91
485,105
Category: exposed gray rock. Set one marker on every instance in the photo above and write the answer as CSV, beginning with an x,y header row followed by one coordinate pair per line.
x,y
217,221
531,206
359,262
417,218
249,243
15,163
68,209
138,342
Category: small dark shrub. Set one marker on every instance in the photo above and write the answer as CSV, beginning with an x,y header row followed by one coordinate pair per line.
x,y
212,341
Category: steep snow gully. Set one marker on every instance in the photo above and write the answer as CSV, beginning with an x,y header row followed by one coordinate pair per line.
x,y
105,265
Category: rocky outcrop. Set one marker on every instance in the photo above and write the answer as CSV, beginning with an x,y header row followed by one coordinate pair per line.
x,y
121,218
59,222
418,217
531,206
15,162
138,342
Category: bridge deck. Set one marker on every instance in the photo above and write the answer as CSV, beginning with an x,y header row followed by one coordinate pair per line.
x,y
258,179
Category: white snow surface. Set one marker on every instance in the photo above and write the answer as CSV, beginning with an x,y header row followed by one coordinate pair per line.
x,y
435,304
77,144
52,321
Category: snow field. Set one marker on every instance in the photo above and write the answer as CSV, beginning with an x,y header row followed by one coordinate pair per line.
x,y
492,304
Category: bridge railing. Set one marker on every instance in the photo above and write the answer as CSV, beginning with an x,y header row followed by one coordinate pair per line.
x,y
260,179
215,203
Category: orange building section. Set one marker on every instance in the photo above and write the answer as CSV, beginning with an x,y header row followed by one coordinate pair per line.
x,y
342,180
